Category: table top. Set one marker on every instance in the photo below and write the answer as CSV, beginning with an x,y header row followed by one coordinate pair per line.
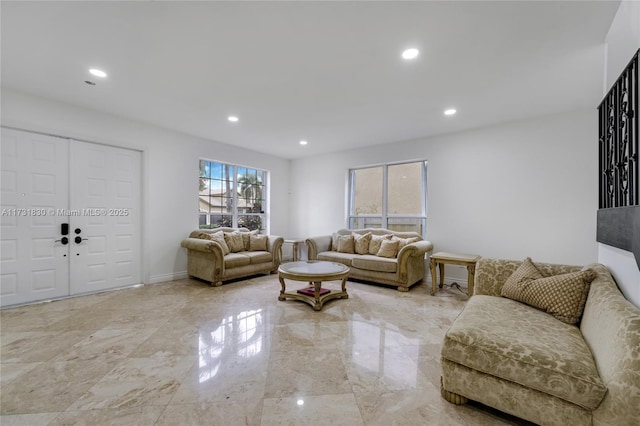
x,y
310,268
455,256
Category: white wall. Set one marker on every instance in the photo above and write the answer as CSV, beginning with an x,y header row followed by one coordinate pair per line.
x,y
520,189
170,171
622,42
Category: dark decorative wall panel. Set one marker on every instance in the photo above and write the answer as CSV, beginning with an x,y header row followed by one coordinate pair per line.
x,y
619,194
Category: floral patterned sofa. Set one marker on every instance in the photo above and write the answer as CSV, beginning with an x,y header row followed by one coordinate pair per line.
x,y
512,349
375,254
221,254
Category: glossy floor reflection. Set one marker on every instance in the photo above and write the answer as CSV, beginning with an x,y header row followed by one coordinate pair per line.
x,y
185,353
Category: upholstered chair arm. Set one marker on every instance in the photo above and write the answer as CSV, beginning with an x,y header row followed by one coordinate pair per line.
x,y
317,245
206,251
202,245
412,255
274,246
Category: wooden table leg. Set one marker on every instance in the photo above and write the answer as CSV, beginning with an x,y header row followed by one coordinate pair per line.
x,y
432,267
471,271
441,274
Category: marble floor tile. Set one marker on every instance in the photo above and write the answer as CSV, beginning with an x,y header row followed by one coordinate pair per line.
x,y
186,353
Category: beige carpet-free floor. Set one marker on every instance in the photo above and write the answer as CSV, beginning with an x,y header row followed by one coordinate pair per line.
x,y
185,353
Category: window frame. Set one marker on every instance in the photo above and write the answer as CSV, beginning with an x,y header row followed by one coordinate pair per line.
x,y
385,217
234,177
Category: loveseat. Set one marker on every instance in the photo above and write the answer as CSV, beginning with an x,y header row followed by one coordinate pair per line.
x,y
529,349
221,254
378,255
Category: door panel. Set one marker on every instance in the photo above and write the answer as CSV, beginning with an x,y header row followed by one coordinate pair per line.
x,y
107,191
34,188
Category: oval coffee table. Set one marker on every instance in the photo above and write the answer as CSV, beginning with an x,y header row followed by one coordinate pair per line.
x,y
313,272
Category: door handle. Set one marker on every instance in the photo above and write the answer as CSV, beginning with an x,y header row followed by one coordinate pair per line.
x,y
63,240
79,239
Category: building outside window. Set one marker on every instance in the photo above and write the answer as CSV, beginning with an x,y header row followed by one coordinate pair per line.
x,y
392,196
231,195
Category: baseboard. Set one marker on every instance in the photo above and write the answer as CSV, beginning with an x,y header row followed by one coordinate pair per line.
x,y
167,277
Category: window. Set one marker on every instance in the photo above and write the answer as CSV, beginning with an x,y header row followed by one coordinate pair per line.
x,y
231,195
392,196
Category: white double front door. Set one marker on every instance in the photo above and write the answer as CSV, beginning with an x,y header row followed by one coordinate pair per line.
x,y
71,217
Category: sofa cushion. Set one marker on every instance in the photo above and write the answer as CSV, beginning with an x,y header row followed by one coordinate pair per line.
x,y
258,242
388,249
234,260
562,296
521,344
346,244
375,263
334,256
376,242
218,237
234,241
256,257
362,242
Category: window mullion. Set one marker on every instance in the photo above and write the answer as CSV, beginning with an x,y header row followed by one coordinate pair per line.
x,y
385,196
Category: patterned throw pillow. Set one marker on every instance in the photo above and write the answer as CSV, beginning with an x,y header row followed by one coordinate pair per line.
x,y
246,238
388,248
218,237
376,242
346,244
362,242
562,296
234,241
515,284
404,241
258,242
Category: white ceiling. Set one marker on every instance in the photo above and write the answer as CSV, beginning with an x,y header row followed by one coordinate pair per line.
x,y
326,72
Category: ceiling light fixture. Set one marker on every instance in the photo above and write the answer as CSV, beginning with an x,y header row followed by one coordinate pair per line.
x,y
98,73
450,111
232,118
410,53
303,142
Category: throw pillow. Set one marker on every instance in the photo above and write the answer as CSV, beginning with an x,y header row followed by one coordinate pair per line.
x,y
258,242
388,248
218,237
376,242
346,244
246,236
362,242
562,296
234,241
514,285
404,241
334,242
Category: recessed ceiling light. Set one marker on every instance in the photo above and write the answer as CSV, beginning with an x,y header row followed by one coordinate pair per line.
x,y
303,142
410,53
449,111
98,73
232,118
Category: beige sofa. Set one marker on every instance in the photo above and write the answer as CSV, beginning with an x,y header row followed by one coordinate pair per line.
x,y
222,254
402,268
523,361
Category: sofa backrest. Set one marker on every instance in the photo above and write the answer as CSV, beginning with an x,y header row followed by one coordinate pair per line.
x,y
491,274
379,231
194,234
611,327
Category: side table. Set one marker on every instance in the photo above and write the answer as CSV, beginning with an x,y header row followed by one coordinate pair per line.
x,y
441,258
295,247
